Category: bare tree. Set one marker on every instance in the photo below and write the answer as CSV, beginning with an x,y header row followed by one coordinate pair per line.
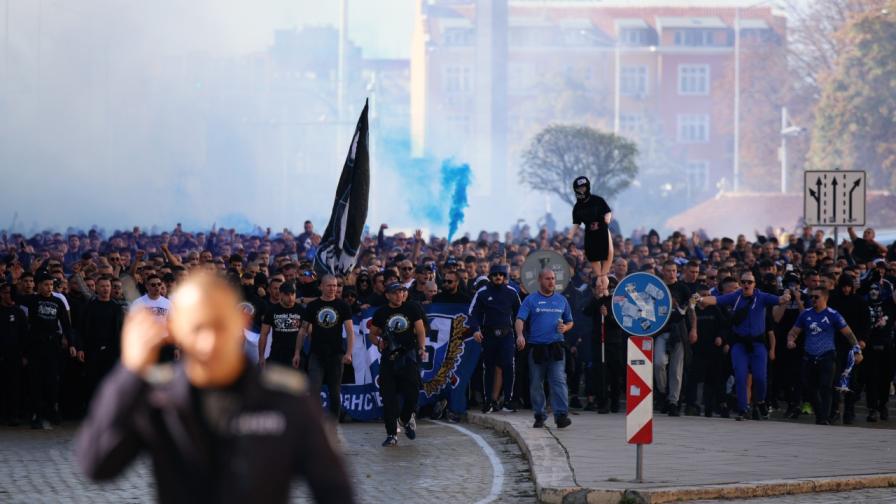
x,y
559,154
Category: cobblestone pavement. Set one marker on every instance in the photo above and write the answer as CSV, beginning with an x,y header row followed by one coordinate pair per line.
x,y
873,496
443,464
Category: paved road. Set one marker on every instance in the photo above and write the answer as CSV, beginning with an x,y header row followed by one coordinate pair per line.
x,y
36,467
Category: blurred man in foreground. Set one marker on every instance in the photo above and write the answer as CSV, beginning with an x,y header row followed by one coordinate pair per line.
x,y
217,429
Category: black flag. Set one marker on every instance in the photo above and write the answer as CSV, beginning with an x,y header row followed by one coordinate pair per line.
x,y
342,239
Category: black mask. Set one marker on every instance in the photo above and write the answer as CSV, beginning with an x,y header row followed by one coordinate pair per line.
x,y
582,188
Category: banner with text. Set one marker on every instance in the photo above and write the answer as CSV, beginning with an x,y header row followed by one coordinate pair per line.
x,y
452,355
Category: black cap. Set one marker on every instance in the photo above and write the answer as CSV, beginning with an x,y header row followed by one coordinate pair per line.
x,y
451,261
43,277
421,269
287,288
395,287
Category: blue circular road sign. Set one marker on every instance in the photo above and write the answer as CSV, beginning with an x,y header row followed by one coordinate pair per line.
x,y
642,304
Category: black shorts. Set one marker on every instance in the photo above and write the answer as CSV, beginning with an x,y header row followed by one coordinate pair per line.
x,y
597,245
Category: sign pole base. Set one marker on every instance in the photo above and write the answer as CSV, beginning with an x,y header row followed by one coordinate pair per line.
x,y
639,464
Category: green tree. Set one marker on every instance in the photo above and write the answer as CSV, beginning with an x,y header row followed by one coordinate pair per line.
x,y
559,154
855,122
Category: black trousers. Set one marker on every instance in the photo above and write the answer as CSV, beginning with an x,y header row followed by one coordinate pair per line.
x,y
706,367
10,371
327,369
878,371
608,372
43,379
398,384
818,378
787,382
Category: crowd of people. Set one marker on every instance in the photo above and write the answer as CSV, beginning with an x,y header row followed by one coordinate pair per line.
x,y
761,324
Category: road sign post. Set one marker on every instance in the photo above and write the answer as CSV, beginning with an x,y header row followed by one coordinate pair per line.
x,y
642,305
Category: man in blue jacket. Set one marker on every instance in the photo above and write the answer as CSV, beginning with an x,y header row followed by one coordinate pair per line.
x,y
491,319
549,317
749,352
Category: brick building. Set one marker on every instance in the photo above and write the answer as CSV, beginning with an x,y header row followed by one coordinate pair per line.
x,y
663,74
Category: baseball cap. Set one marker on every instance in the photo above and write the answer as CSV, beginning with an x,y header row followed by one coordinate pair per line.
x,y
395,287
451,261
498,268
421,269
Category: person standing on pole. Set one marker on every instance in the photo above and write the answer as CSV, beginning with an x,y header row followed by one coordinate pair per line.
x,y
492,313
595,213
549,317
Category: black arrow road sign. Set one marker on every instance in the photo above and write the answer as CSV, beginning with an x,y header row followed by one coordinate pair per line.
x,y
855,185
834,199
816,195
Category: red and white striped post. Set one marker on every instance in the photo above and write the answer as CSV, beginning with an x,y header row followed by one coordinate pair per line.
x,y
639,398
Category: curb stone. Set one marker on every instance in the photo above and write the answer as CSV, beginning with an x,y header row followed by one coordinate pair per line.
x,y
555,480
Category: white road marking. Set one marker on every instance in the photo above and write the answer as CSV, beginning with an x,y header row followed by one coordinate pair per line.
x,y
497,466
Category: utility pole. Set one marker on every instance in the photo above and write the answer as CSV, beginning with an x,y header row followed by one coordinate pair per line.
x,y
736,99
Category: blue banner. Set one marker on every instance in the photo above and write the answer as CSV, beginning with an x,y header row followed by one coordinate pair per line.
x,y
452,355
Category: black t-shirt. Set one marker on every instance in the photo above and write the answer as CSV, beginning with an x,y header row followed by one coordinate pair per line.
x,y
682,295
284,324
400,321
13,330
101,325
326,319
308,290
863,251
591,212
458,297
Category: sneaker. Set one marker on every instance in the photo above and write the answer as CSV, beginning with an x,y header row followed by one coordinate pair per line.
x,y
807,409
390,441
508,408
819,421
872,416
410,428
438,409
46,425
673,410
692,410
741,416
562,421
539,423
488,407
452,417
574,402
763,411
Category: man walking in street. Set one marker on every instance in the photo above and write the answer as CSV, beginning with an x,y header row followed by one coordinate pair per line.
x,y
549,317
491,319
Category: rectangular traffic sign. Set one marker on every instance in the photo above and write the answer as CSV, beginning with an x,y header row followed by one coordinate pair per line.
x,y
834,198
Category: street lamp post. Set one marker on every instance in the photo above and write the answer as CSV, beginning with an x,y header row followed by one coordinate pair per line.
x,y
786,131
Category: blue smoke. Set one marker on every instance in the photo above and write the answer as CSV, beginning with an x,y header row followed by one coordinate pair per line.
x,y
435,191
455,178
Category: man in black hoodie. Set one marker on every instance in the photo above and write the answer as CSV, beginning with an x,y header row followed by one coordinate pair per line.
x,y
100,333
13,333
878,363
855,311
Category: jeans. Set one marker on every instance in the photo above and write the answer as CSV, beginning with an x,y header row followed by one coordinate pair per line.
x,y
669,361
818,377
327,369
744,362
555,371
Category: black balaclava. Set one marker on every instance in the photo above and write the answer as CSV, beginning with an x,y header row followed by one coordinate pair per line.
x,y
582,188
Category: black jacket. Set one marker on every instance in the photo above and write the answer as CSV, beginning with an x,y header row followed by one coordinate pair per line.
x,y
242,444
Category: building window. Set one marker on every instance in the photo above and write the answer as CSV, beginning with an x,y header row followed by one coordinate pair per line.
x,y
697,173
633,80
458,36
633,36
631,124
694,38
693,128
693,79
458,79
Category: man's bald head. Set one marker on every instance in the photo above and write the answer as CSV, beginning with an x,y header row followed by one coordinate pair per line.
x,y
207,324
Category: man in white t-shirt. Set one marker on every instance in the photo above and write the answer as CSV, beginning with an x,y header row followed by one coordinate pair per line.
x,y
159,306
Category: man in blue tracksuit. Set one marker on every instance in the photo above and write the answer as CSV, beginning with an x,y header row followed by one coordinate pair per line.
x,y
549,317
748,347
492,312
